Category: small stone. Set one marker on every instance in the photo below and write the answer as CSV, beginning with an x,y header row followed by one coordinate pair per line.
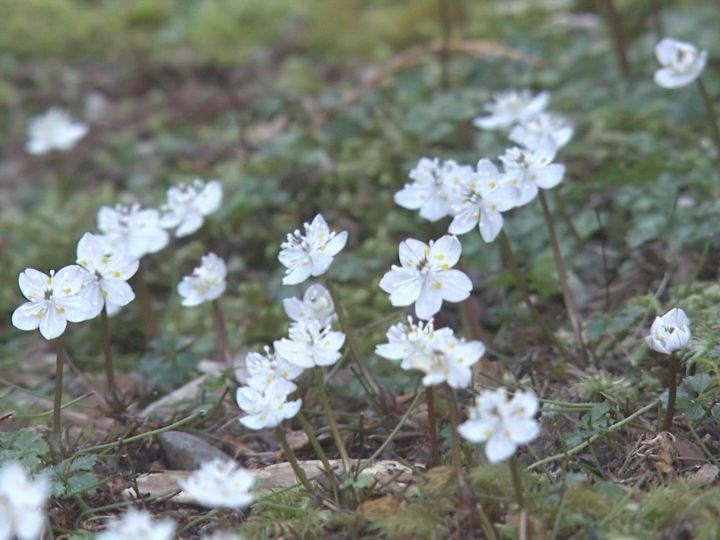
x,y
186,452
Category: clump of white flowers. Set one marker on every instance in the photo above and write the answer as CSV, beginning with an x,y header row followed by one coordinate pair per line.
x,y
512,107
107,272
316,304
137,524
681,63
53,131
530,170
669,332
22,503
206,283
220,484
310,344
441,356
132,229
425,276
531,132
53,300
502,424
188,204
310,253
264,369
266,407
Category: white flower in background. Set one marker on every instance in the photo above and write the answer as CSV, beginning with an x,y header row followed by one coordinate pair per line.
x,y
206,283
425,277
512,107
480,200
310,254
406,339
137,524
531,132
501,423
106,273
54,130
530,170
669,332
432,188
264,369
223,535
188,204
310,344
316,305
52,300
220,484
132,229
22,502
447,359
265,409
681,63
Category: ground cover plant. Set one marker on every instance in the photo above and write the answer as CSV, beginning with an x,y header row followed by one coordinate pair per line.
x,y
419,269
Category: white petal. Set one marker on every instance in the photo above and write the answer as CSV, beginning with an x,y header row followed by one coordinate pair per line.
x,y
428,303
456,286
550,176
52,324
499,447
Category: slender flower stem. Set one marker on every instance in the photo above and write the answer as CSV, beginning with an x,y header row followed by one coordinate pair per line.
x,y
337,437
614,22
454,423
657,19
297,469
517,481
672,393
150,319
107,353
57,404
373,385
712,119
432,428
317,448
562,273
511,260
221,336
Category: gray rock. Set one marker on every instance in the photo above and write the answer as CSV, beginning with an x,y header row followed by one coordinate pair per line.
x,y
186,452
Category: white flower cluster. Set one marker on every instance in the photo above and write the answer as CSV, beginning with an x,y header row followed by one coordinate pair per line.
x,y
106,261
137,524
220,484
53,131
311,340
22,502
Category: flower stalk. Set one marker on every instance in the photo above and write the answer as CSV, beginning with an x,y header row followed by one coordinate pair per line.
x,y
288,451
107,354
614,22
672,393
519,496
337,437
222,341
57,402
432,429
712,119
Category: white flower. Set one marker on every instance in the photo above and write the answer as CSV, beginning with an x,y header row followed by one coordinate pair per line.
x,y
405,340
22,502
681,63
310,254
512,107
669,332
479,201
316,304
264,369
137,524
446,359
223,535
132,229
187,205
54,130
425,276
310,344
107,273
206,283
531,132
530,170
265,409
52,300
432,188
220,484
503,424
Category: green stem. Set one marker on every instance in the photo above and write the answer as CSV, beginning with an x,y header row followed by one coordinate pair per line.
x,y
517,482
614,22
562,273
107,353
583,445
221,336
511,261
297,469
454,423
57,403
672,393
317,448
337,437
712,119
432,429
